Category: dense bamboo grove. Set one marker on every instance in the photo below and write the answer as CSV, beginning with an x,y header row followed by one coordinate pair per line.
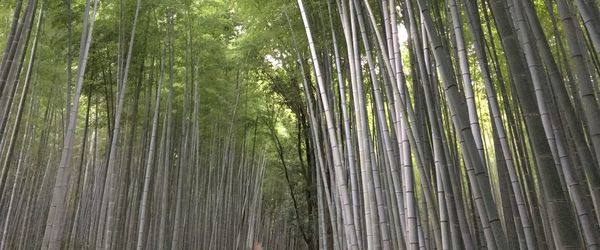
x,y
143,163
477,131
307,124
